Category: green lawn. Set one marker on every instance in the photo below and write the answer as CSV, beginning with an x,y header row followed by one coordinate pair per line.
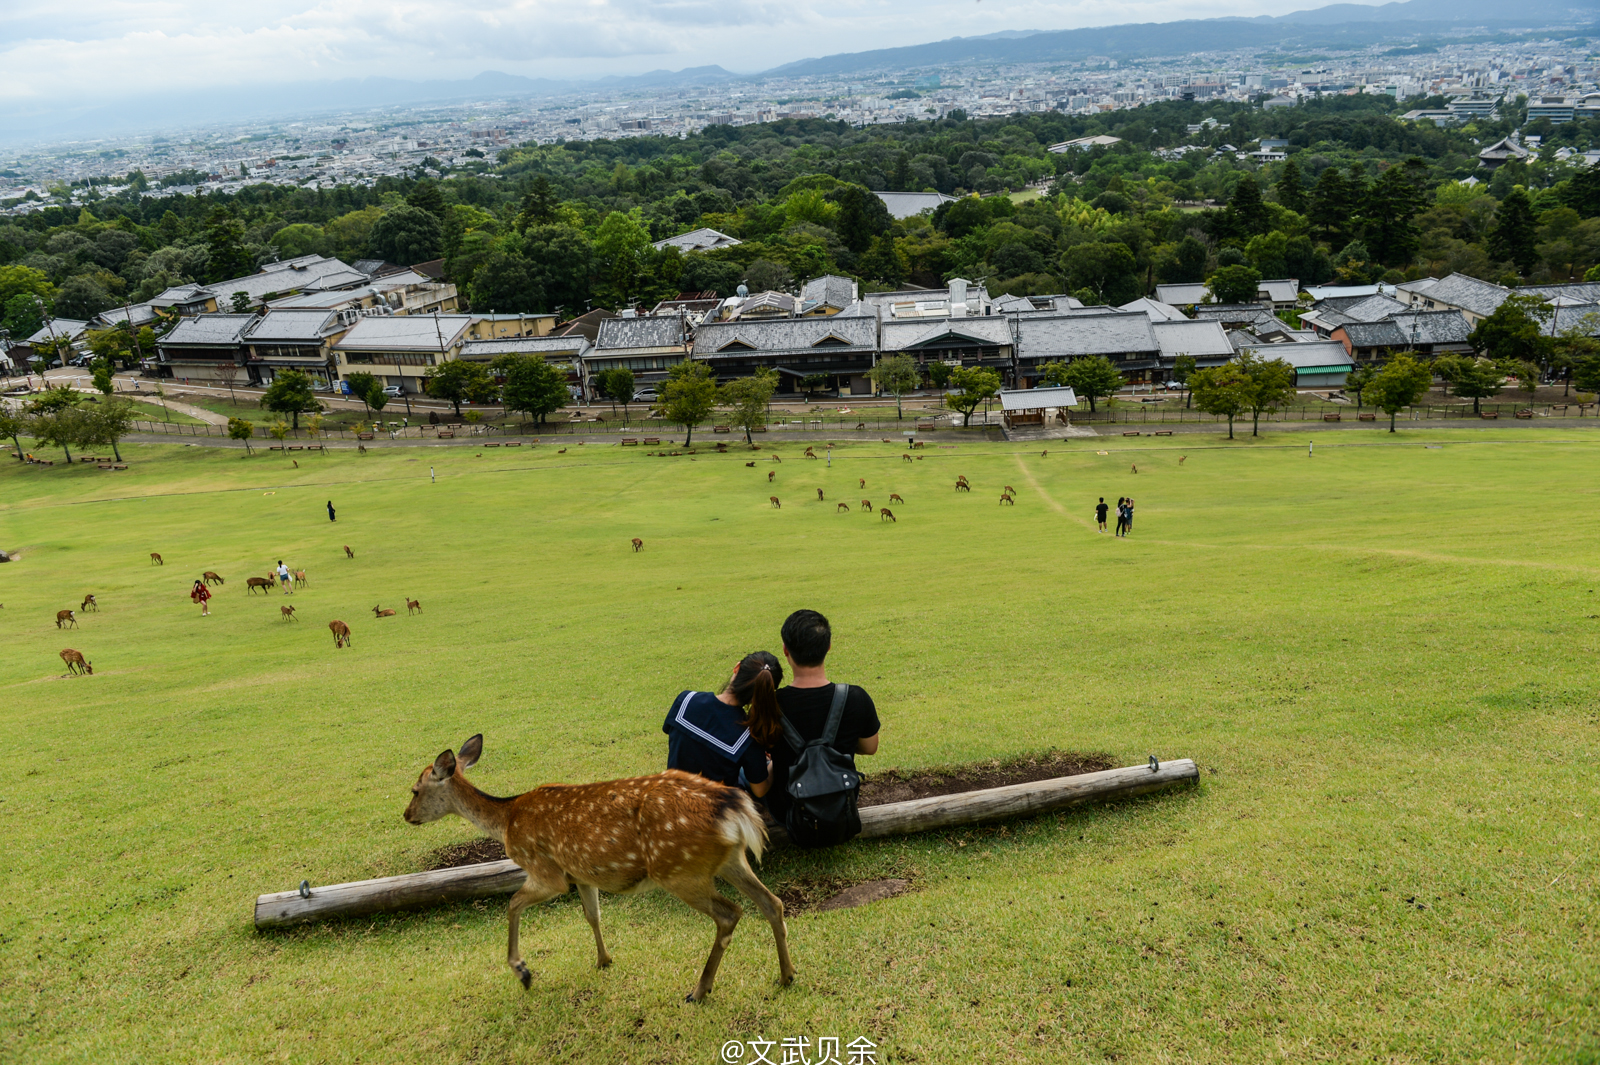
x,y
1382,657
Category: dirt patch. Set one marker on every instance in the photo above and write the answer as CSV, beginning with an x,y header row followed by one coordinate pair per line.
x,y
880,788
895,786
820,894
470,853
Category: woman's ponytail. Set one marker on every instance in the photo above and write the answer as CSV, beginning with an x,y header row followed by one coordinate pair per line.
x,y
755,685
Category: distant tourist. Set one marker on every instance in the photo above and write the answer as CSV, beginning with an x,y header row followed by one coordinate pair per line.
x,y
1127,523
712,736
330,510
1122,515
283,578
1100,514
202,595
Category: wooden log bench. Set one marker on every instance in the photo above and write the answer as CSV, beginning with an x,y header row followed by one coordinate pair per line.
x,y
652,441
106,466
279,447
1134,433
926,427
1330,417
630,441
121,467
1367,417
721,429
758,428
1163,432
295,447
1524,413
1489,415
444,434
491,444
313,447
283,909
513,443
368,436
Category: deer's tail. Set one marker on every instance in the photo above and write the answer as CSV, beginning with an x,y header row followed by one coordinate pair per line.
x,y
741,823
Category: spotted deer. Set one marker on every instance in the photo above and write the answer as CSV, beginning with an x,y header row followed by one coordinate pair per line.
x,y
863,481
885,514
843,508
866,504
771,474
380,613
155,559
341,633
211,577
299,576
1182,459
65,618
89,603
413,606
348,553
673,830
287,610
906,457
894,497
1010,491
76,663
774,501
1004,498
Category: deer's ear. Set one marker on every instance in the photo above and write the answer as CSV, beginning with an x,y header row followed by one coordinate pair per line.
x,y
444,766
471,751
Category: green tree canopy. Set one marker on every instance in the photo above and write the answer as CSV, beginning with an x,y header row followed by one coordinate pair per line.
x,y
1269,385
1402,381
1515,235
290,393
1477,380
1106,268
970,385
106,423
1235,284
363,384
1092,377
457,380
532,386
1515,331
407,235
689,395
239,429
748,397
897,375
1222,390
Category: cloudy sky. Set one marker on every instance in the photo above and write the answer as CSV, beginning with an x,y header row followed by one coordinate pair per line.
x,y
56,52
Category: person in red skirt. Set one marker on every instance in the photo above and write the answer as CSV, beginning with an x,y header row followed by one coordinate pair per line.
x,y
202,595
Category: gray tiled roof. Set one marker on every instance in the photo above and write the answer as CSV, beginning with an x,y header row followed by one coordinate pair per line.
x,y
574,346
1065,336
1459,290
1178,295
307,271
779,335
1202,339
1578,316
401,332
310,326
1402,330
1282,290
829,290
1581,291
698,240
625,333
1312,353
208,329
918,332
1374,308
1155,309
906,204
62,327
1252,315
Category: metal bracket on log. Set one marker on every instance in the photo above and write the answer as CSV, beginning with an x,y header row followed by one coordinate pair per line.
x,y
417,890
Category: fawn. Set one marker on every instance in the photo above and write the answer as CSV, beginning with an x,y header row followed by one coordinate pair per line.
x,y
673,830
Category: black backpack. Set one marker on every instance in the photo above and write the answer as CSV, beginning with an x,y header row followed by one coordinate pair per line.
x,y
823,784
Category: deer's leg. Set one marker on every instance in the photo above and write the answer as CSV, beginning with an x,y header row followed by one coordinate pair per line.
x,y
539,886
703,896
737,872
591,909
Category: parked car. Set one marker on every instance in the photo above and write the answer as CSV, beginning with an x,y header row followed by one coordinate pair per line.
x,y
646,395
392,391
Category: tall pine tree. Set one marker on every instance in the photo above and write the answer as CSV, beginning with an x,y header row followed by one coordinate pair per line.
x,y
1292,188
1512,237
1330,207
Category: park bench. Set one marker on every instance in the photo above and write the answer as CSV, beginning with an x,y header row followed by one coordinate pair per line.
x,y
1330,417
513,443
444,434
1134,433
926,427
720,429
122,467
364,436
491,444
652,441
1367,417
296,447
279,447
1163,432
313,447
758,428
105,466
1559,406
630,441
1489,414
1524,413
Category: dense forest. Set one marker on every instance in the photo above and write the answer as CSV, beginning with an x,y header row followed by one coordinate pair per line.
x,y
1362,196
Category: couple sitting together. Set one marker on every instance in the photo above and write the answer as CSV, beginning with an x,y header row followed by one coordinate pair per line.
x,y
792,747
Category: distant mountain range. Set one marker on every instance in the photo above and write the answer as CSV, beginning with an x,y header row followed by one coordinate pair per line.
x,y
1333,27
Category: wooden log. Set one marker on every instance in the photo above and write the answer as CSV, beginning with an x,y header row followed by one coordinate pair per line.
x,y
410,891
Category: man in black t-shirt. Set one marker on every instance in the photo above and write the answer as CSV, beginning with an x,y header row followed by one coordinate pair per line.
x,y
807,639
1100,513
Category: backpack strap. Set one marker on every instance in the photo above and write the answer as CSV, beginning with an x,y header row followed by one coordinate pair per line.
x,y
841,692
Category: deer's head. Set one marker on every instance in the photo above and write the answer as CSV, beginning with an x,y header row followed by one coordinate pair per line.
x,y
431,795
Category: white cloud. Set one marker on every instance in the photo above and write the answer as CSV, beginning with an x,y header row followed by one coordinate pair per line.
x,y
94,50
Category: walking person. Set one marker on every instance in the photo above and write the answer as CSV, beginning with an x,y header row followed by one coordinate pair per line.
x,y
283,578
330,510
1121,516
1127,525
202,595
713,736
1100,514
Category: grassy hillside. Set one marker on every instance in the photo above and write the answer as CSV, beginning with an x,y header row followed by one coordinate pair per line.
x,y
1382,658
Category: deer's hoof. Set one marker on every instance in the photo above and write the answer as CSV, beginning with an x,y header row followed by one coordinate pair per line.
x,y
525,976
691,1000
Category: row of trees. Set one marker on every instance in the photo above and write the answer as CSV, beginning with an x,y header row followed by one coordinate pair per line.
x,y
61,417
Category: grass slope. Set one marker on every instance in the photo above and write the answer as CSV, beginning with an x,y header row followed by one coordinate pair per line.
x,y
1382,657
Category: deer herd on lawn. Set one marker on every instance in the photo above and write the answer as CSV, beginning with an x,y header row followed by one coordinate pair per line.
x,y
77,664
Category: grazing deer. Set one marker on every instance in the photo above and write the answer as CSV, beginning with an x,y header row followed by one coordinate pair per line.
x,y
66,617
341,633
377,613
885,514
1182,459
1042,454
863,483
89,603
155,559
843,508
866,504
1007,499
774,500
751,465
906,457
212,578
810,454
296,463
299,576
413,606
1010,491
252,583
775,458
348,553
674,830
638,544
1135,467
75,662
563,451
287,610
894,497
771,474
361,448
819,495
963,486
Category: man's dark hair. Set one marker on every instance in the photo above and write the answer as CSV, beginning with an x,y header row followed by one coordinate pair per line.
x,y
807,636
